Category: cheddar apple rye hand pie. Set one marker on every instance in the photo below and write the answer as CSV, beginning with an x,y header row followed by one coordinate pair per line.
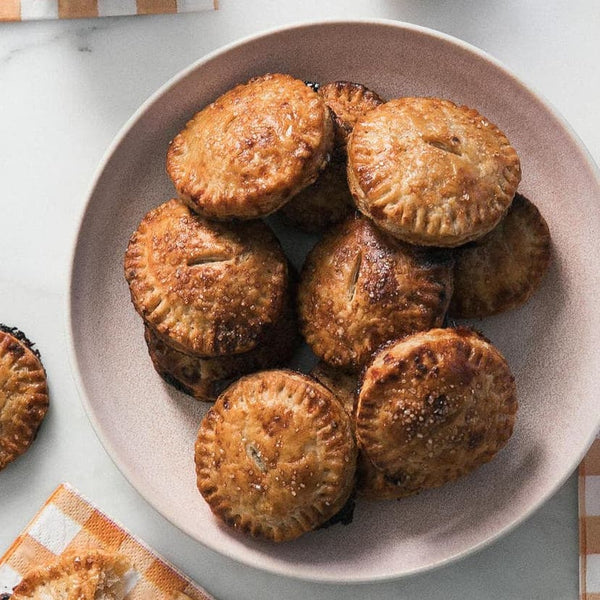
x,y
503,269
206,288
433,407
204,377
360,288
431,173
252,149
88,574
275,455
349,103
23,394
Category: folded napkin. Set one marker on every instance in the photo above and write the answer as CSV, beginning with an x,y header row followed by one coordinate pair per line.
x,y
24,10
589,524
68,521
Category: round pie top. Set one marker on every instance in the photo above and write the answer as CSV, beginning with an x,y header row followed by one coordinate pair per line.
x,y
433,407
89,574
205,377
503,269
23,394
430,172
275,455
349,103
207,288
252,149
360,288
326,202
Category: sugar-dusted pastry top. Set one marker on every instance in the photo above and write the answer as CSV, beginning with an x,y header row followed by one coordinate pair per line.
x,y
275,455
430,172
23,394
207,288
247,153
361,287
86,574
433,407
502,270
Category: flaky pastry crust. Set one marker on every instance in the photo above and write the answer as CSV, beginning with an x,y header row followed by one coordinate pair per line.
x,y
503,269
349,102
23,395
430,172
433,407
252,149
360,288
88,574
275,455
205,377
207,288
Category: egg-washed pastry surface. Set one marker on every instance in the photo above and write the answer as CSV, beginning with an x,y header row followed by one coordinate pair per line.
x,y
502,270
247,153
430,172
88,574
275,455
433,407
205,377
349,102
23,394
207,288
360,288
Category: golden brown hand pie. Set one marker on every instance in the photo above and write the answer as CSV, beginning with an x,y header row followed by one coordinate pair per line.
x,y
88,574
252,149
433,407
349,103
430,172
503,269
204,378
326,202
275,455
207,288
23,394
360,288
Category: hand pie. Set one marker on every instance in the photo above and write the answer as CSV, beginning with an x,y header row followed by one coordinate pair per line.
x,y
275,455
349,103
431,173
503,269
206,288
252,149
433,407
23,394
205,378
360,287
89,574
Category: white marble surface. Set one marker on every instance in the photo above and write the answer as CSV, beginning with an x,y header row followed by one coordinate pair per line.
x,y
65,90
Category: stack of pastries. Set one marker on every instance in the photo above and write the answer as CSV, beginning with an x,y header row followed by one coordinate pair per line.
x,y
418,201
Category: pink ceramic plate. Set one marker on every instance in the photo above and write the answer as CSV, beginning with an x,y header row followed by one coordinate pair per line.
x,y
551,343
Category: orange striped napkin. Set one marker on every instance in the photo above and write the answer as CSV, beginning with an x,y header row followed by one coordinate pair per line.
x,y
67,521
589,524
25,10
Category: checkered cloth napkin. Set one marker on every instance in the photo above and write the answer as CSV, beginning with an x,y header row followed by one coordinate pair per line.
x,y
68,521
24,10
589,524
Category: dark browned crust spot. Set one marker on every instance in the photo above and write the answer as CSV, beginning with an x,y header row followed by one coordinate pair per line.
x,y
17,333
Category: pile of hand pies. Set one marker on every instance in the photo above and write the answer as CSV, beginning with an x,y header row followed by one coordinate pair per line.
x,y
417,201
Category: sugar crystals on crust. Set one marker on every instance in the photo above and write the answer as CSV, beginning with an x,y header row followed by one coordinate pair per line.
x,y
86,574
502,270
247,153
207,288
433,407
361,287
430,172
23,394
275,455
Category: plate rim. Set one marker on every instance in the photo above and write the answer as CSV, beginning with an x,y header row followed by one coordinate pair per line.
x,y
69,318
